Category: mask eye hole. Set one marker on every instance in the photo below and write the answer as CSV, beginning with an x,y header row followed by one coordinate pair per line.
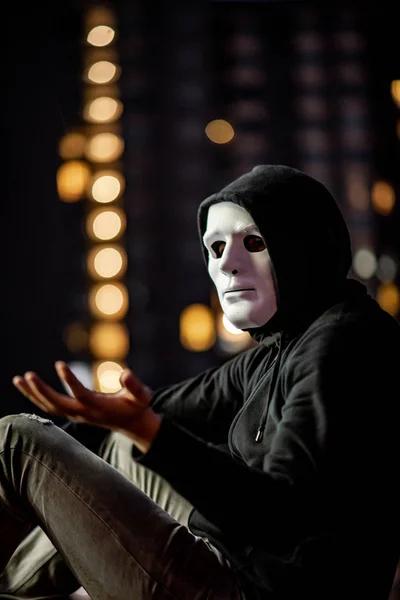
x,y
218,248
254,243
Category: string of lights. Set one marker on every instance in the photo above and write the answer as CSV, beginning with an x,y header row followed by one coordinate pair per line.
x,y
92,172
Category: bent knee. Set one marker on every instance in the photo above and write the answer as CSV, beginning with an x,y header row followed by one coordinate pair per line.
x,y
23,423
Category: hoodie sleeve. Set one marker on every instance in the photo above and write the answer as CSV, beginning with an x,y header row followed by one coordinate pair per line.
x,y
207,403
322,436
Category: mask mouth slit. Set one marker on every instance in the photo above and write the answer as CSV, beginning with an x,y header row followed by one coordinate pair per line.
x,y
239,290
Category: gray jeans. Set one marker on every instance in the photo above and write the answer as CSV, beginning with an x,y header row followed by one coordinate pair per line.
x,y
69,518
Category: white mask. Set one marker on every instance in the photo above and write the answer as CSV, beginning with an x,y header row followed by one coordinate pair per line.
x,y
240,266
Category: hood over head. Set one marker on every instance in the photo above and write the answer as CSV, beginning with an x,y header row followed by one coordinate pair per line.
x,y
306,236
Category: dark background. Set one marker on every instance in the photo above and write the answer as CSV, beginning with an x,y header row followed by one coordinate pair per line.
x,y
163,48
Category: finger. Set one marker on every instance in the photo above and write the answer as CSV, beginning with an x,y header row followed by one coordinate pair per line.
x,y
54,401
24,387
21,385
136,387
67,376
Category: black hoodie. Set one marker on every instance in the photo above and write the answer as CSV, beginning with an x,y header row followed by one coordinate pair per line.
x,y
289,452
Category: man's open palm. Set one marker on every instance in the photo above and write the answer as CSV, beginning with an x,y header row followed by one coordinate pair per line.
x,y
117,411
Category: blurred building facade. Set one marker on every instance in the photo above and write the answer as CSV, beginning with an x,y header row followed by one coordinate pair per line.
x,y
207,90
300,84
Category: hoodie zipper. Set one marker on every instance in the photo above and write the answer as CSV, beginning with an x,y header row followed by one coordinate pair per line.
x,y
275,366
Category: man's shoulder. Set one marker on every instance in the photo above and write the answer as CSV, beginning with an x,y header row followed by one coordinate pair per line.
x,y
352,325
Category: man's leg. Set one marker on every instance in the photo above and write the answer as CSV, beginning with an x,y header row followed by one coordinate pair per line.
x,y
117,449
117,541
37,570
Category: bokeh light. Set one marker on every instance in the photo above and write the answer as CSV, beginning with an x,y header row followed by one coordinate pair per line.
x,y
395,91
388,296
102,71
108,300
72,145
109,340
72,179
364,263
197,328
107,186
387,268
107,375
230,339
383,197
106,262
102,110
104,147
100,36
219,131
105,224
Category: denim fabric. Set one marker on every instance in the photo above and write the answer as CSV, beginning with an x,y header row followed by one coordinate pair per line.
x,y
112,538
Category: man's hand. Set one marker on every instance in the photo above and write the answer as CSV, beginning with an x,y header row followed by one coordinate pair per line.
x,y
127,410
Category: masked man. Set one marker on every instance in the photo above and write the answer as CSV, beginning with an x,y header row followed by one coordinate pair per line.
x,y
278,469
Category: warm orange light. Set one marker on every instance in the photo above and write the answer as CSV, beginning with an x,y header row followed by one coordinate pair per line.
x,y
106,376
109,300
231,340
107,186
219,131
395,91
105,224
72,180
102,110
102,71
388,296
197,328
106,262
72,145
109,340
383,197
102,35
104,147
